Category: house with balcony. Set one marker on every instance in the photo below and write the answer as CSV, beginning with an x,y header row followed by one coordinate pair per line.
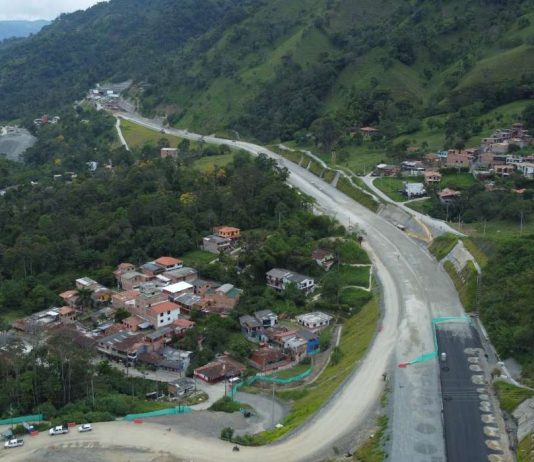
x,y
162,314
123,346
227,232
280,278
432,177
169,263
251,328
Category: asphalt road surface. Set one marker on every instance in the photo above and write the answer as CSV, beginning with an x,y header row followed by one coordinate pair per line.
x,y
415,289
465,396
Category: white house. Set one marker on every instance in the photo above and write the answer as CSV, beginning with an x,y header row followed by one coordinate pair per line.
x,y
314,321
175,290
414,190
163,314
279,279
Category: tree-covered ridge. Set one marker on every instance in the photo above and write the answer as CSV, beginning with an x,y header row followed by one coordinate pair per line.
x,y
131,213
506,301
116,40
274,69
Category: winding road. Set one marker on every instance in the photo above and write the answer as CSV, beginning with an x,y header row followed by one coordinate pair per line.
x,y
415,289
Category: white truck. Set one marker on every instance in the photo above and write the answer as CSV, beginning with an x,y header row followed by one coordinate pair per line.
x,y
15,443
60,430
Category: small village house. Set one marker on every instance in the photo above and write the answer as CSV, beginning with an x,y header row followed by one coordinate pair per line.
x,y
324,258
188,302
314,321
266,318
130,280
386,170
457,159
162,314
181,387
312,341
268,359
171,153
228,232
250,327
181,326
70,298
183,274
125,298
279,279
216,244
432,177
222,368
448,196
169,263
67,315
175,290
412,190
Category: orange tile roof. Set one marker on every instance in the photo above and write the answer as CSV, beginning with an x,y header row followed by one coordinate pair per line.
x,y
65,310
168,261
184,323
227,229
68,294
163,307
133,320
127,295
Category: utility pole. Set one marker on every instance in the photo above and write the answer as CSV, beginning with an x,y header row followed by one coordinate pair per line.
x,y
272,411
93,391
521,224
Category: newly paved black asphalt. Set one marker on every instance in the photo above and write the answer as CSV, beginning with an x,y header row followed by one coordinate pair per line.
x,y
464,437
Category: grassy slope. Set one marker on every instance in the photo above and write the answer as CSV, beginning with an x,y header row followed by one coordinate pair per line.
x,y
357,333
525,450
511,396
136,136
223,100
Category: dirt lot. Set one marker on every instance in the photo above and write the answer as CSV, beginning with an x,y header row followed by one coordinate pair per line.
x,y
84,453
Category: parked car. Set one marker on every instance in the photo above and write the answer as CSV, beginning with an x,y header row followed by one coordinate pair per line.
x,y
58,430
13,444
85,428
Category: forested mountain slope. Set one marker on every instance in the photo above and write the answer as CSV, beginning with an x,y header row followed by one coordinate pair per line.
x,y
269,69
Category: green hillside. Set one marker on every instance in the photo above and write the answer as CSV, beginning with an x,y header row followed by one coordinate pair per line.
x,y
276,70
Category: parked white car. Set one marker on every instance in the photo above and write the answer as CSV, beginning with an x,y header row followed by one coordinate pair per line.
x,y
58,430
85,428
13,444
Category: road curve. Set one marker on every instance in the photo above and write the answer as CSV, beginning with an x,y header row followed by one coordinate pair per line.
x,y
415,289
438,226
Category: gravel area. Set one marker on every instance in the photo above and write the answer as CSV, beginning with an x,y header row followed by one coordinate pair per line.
x,y
13,145
89,453
209,423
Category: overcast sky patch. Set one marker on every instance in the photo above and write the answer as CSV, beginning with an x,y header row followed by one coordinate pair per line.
x,y
40,9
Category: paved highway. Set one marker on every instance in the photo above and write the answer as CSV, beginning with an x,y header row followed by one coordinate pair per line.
x,y
415,289
474,428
